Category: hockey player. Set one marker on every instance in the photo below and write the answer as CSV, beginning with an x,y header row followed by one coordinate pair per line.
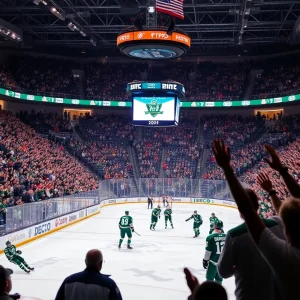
x,y
154,217
212,220
126,227
214,245
168,216
222,226
197,223
13,255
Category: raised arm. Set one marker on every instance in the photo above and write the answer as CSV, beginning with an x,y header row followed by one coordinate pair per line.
x,y
265,183
290,182
241,197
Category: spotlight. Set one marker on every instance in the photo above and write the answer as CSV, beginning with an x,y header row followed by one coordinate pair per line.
x,y
56,13
151,9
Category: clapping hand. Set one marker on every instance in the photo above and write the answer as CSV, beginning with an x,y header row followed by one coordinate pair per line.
x,y
191,280
221,153
264,181
275,163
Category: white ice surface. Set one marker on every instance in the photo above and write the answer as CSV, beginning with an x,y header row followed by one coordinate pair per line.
x,y
152,270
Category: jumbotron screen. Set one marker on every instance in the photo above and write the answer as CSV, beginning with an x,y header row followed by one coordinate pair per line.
x,y
155,111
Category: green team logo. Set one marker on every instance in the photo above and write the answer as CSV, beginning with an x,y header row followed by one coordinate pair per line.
x,y
154,109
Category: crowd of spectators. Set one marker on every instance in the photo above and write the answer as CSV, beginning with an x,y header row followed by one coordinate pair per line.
x,y
107,128
241,134
6,78
206,81
109,81
44,121
111,159
34,168
220,82
279,78
289,156
41,75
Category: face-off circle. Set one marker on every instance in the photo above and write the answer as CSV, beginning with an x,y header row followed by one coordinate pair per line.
x,y
153,44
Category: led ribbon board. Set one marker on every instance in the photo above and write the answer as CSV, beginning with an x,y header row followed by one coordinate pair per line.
x,y
11,95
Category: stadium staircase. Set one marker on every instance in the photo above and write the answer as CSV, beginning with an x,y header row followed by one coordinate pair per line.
x,y
250,83
163,158
136,172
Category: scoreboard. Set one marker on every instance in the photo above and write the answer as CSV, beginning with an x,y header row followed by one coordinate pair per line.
x,y
155,104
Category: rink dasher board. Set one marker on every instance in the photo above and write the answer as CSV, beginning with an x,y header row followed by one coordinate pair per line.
x,y
32,233
175,200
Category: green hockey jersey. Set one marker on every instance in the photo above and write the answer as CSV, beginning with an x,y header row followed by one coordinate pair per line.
x,y
156,212
168,212
10,252
197,218
126,222
213,221
214,245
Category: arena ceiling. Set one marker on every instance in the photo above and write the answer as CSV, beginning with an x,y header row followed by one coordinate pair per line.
x,y
212,24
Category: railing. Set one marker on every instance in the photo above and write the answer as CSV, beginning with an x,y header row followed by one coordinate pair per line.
x,y
21,216
156,187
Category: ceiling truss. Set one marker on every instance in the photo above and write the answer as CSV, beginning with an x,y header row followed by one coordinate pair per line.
x,y
208,22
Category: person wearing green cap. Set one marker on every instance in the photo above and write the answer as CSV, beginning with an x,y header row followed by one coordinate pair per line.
x,y
13,255
126,228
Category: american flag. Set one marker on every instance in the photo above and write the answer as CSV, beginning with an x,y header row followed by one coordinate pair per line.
x,y
170,7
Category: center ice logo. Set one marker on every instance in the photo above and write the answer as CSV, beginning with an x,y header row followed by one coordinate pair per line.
x,y
154,109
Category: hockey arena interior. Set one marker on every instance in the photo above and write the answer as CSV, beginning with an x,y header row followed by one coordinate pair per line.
x,y
150,149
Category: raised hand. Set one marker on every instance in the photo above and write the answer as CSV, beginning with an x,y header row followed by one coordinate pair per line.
x,y
264,181
191,280
221,153
275,163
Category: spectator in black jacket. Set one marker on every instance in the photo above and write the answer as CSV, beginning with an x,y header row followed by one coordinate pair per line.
x,y
90,283
6,285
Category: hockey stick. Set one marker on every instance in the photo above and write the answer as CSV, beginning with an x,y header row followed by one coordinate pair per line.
x,y
137,233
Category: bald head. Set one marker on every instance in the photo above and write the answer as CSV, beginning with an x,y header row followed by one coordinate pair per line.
x,y
209,290
94,260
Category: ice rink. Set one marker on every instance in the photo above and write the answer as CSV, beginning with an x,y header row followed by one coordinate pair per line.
x,y
152,270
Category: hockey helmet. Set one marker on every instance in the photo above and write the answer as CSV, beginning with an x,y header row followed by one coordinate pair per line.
x,y
126,212
219,225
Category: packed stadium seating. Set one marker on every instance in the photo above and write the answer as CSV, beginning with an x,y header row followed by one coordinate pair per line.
x,y
34,168
207,81
113,149
46,155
